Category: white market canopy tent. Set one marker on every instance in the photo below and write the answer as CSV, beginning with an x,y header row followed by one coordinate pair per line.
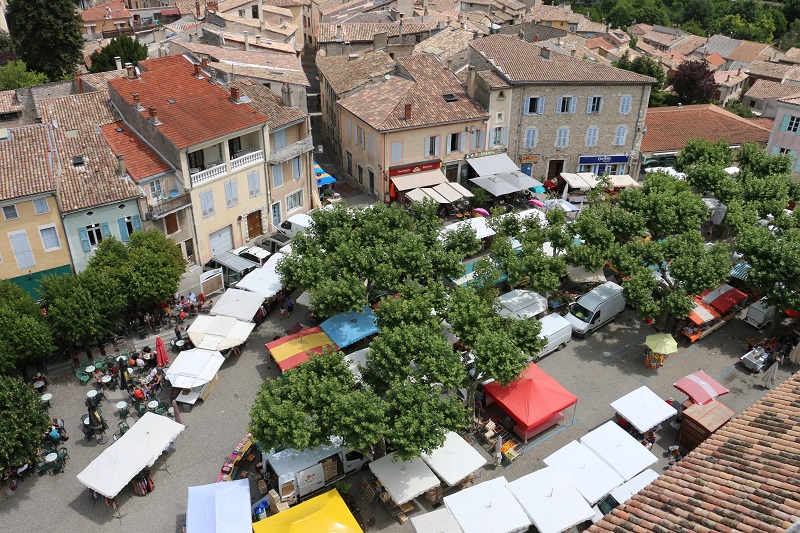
x,y
582,181
619,450
404,480
666,170
454,460
487,507
588,473
425,178
193,368
495,185
219,508
552,503
522,304
621,181
239,304
624,492
138,448
479,224
265,280
581,275
643,408
438,521
219,332
492,164
356,361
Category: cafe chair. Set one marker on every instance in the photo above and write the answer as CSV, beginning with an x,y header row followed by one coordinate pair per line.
x,y
48,447
43,468
100,362
140,408
87,432
83,377
62,454
124,413
125,352
58,466
123,427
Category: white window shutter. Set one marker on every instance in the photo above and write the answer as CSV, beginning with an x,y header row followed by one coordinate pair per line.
x,y
526,106
558,104
573,105
462,138
600,107
449,142
589,104
540,110
436,145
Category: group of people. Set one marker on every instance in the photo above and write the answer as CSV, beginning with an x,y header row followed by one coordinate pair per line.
x,y
56,433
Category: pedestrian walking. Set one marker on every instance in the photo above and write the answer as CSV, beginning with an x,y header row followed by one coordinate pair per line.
x,y
283,312
290,305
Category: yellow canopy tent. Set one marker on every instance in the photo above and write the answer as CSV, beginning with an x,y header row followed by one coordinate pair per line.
x,y
326,512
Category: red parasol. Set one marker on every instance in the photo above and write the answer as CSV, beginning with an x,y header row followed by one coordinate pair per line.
x,y
162,359
536,202
700,387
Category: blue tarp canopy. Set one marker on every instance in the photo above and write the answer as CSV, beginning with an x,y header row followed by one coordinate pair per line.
x,y
325,179
350,327
219,508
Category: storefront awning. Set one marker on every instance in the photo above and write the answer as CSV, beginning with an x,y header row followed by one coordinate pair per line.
x,y
427,178
495,185
418,195
492,164
452,191
583,181
623,180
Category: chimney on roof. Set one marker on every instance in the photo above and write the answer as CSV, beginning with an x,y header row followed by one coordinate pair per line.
x,y
680,105
258,39
740,72
78,81
108,12
401,31
191,38
460,17
471,81
450,64
474,34
118,62
262,25
246,41
352,57
153,115
131,71
197,73
204,63
213,78
407,115
729,78
235,95
121,166
338,35
286,95
544,53
520,34
536,38
136,104
197,8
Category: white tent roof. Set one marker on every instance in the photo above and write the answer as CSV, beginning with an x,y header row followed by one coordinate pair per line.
x,y
643,408
624,492
550,501
619,450
582,180
666,170
492,164
494,185
732,170
560,203
265,280
219,332
452,191
113,469
193,368
488,507
522,304
520,180
454,460
623,180
438,521
219,508
239,304
424,178
154,433
581,275
404,480
588,473
355,360
479,224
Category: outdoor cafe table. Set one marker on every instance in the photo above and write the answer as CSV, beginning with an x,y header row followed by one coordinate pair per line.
x,y
91,393
90,369
122,405
46,398
39,384
106,379
153,404
50,457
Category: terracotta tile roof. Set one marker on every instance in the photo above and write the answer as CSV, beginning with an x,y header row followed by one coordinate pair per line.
x,y
765,89
450,19
688,44
186,7
549,13
118,11
729,78
277,10
446,43
141,161
664,39
640,29
355,6
382,105
9,102
201,111
749,51
670,128
794,100
492,80
344,74
742,478
768,69
270,104
715,60
763,122
373,17
76,120
227,5
287,3
599,42
520,62
99,81
27,161
792,55
588,26
360,32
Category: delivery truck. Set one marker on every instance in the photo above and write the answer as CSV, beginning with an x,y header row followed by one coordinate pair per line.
x,y
297,474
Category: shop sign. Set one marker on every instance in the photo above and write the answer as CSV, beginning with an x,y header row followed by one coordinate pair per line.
x,y
529,159
487,152
603,159
411,169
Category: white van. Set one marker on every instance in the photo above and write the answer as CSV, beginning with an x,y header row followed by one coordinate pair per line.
x,y
295,224
557,331
596,308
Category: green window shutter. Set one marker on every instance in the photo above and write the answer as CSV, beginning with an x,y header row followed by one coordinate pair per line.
x,y
104,230
84,237
123,229
785,122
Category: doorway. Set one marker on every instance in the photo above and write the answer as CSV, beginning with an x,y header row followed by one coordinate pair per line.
x,y
371,176
189,245
554,168
254,228
276,214
451,173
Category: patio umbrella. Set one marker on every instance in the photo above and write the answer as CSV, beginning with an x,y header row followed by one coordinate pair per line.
x,y
662,343
539,189
162,359
481,211
700,387
536,202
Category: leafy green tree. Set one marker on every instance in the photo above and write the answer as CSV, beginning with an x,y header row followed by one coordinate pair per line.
x,y
694,27
694,83
792,36
736,107
23,421
15,75
700,11
124,47
24,335
699,151
72,312
791,10
46,35
646,66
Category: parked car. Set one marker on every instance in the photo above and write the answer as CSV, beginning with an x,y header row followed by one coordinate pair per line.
x,y
272,243
253,253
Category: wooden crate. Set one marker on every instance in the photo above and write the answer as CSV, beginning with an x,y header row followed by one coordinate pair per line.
x,y
262,486
330,468
280,507
273,498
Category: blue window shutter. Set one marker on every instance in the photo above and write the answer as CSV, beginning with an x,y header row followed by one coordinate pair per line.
x,y
558,104
104,230
84,237
775,150
573,104
136,220
785,123
123,229
540,111
526,106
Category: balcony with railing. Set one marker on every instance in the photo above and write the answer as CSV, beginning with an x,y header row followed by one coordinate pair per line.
x,y
291,151
247,159
201,176
165,206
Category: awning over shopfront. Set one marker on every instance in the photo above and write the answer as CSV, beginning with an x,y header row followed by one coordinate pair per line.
x,y
623,180
495,185
492,164
426,193
453,191
583,181
239,304
426,178
219,332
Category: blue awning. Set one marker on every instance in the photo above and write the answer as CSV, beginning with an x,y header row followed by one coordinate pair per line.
x,y
740,271
325,180
350,327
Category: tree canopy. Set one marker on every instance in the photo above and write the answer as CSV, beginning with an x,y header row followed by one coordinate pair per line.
x,y
23,421
124,47
694,83
15,75
646,66
24,335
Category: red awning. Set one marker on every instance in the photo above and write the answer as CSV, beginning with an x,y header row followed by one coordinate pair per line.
x,y
724,302
171,11
531,399
700,387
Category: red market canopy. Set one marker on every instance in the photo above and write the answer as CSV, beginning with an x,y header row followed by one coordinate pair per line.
x,y
531,399
723,298
700,387
292,350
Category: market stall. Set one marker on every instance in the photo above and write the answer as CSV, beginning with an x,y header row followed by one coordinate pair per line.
x,y
560,203
219,332
577,185
702,421
580,275
535,401
622,181
713,309
238,304
495,185
403,480
659,346
482,229
488,507
356,361
194,372
522,304
551,502
643,409
700,387
326,512
625,491
438,521
265,280
350,327
219,508
586,471
291,350
619,450
455,460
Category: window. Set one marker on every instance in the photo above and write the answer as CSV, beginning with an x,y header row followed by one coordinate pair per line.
x,y
297,168
499,117
10,212
591,135
277,176
207,203
562,137
155,188
360,174
294,200
619,135
594,104
279,140
241,13
349,129
397,154
360,137
456,142
432,146
350,161
531,135
234,147
92,235
625,104
477,139
40,206
784,151
253,183
794,122
171,223
566,104
50,238
498,135
22,249
128,225
196,160
534,105
254,11
231,193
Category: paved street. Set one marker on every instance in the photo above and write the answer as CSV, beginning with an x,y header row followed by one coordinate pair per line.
x,y
597,370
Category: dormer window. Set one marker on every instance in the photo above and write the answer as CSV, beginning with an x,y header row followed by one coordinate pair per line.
x,y
450,97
